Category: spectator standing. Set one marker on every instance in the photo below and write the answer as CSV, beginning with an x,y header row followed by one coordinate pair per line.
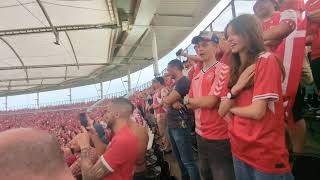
x,y
207,88
116,163
257,131
179,133
161,91
284,34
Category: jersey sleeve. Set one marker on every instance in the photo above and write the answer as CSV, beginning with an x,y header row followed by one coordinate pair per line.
x,y
219,87
267,81
290,17
117,155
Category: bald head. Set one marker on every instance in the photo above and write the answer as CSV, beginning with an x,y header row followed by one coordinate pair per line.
x,y
31,154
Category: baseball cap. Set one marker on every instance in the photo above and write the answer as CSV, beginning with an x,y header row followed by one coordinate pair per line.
x,y
205,36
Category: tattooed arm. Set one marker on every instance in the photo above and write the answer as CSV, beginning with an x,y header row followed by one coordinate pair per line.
x,y
92,171
89,170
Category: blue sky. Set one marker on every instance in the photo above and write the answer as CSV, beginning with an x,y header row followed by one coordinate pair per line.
x,y
146,73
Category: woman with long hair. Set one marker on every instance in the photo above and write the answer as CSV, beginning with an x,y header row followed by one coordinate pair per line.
x,y
257,129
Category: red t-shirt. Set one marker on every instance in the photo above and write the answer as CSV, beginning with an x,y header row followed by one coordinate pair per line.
x,y
261,143
314,28
213,82
118,159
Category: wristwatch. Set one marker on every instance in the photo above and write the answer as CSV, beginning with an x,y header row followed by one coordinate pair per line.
x,y
186,100
230,95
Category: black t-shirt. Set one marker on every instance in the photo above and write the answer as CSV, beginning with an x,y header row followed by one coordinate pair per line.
x,y
174,116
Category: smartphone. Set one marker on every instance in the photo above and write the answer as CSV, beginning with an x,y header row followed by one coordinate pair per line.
x,y
83,120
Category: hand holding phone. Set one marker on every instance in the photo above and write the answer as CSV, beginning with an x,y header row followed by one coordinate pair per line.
x,y
83,120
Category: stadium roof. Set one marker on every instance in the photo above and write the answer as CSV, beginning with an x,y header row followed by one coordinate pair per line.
x,y
57,44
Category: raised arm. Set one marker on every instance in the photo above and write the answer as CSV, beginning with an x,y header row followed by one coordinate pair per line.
x,y
286,26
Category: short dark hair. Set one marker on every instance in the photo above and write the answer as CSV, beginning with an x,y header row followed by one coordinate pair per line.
x,y
159,80
176,63
123,102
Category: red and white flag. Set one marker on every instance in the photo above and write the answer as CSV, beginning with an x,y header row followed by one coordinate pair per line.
x,y
291,52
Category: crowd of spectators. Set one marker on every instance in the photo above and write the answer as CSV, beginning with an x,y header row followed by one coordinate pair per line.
x,y
61,121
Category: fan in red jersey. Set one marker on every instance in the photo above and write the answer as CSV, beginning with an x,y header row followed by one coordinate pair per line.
x,y
257,130
284,34
207,88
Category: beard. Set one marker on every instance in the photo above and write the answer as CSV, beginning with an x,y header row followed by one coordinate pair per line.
x,y
110,123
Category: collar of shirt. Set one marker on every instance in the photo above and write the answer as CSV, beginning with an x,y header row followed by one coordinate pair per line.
x,y
204,70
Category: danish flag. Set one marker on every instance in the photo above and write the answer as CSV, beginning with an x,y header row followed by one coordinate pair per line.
x,y
291,52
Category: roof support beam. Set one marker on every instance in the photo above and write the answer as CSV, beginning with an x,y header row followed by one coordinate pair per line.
x,y
13,32
130,45
66,73
40,78
55,32
155,53
173,28
129,82
18,56
74,53
175,15
233,8
9,86
64,65
140,41
22,85
38,100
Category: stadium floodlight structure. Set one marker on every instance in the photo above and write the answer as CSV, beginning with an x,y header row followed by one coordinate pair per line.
x,y
50,45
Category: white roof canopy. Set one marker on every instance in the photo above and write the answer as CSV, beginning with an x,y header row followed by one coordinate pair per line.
x,y
57,44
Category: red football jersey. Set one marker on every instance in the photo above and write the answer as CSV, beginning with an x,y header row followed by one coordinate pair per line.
x,y
291,52
213,82
196,68
261,143
117,159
